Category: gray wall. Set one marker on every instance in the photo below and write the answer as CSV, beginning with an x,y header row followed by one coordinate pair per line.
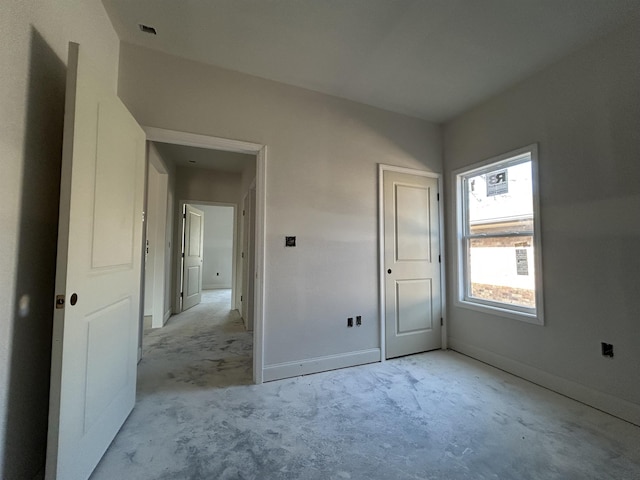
x,y
585,114
217,264
205,185
33,53
321,186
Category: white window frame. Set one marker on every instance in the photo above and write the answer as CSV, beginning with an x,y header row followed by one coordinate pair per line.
x,y
535,316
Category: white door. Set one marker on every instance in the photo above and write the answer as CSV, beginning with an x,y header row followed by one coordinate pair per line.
x,y
248,258
193,255
244,299
411,264
95,334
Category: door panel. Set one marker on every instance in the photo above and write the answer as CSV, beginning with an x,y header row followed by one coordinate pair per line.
x,y
95,336
412,231
411,265
193,257
414,306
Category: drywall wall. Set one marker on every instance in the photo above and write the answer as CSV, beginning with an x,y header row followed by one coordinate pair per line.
x,y
585,114
201,184
34,36
321,175
217,265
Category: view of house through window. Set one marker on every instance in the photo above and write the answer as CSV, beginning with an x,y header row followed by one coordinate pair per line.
x,y
497,234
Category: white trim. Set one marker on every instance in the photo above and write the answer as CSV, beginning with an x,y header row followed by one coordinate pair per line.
x,y
216,287
443,270
167,316
411,171
514,313
260,248
260,150
203,141
602,401
156,237
320,364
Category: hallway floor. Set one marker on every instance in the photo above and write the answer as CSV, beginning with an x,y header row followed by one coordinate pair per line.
x,y
438,415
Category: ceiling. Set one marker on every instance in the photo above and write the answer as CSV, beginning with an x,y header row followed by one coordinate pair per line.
x,y
194,157
431,59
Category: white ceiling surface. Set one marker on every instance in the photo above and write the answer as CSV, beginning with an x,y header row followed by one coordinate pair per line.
x,y
431,59
183,156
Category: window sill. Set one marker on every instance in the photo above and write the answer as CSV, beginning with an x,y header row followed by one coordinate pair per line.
x,y
535,319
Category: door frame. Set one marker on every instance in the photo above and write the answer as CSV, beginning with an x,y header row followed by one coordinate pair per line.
x,y
155,134
158,312
381,266
234,253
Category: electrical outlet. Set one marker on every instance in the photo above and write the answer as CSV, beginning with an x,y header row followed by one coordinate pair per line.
x,y
607,350
350,322
359,320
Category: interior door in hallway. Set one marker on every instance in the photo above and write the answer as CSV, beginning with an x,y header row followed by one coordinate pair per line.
x,y
193,251
248,257
411,263
98,274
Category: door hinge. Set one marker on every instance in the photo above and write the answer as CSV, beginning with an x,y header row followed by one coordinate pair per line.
x,y
243,213
240,297
441,321
242,254
439,259
182,254
438,196
184,215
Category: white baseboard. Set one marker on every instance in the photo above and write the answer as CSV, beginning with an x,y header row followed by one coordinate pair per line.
x,y
216,287
167,316
320,364
602,401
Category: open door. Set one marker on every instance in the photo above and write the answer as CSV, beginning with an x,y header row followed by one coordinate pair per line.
x,y
97,306
248,257
193,254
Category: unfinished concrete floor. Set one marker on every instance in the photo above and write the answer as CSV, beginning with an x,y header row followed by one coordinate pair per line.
x,y
437,415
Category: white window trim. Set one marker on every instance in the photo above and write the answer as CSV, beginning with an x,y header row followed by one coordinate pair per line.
x,y
459,278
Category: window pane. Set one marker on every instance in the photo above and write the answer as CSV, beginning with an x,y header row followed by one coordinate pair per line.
x,y
501,269
500,199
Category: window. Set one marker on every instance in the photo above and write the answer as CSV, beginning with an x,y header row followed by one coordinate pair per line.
x,y
499,258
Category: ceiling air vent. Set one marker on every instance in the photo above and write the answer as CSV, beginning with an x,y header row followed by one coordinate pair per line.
x,y
147,29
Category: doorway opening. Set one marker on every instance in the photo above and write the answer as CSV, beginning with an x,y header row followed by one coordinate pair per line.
x,y
216,177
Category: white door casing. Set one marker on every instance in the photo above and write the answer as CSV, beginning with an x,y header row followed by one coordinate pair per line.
x,y
248,258
95,334
260,150
245,260
411,263
193,252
